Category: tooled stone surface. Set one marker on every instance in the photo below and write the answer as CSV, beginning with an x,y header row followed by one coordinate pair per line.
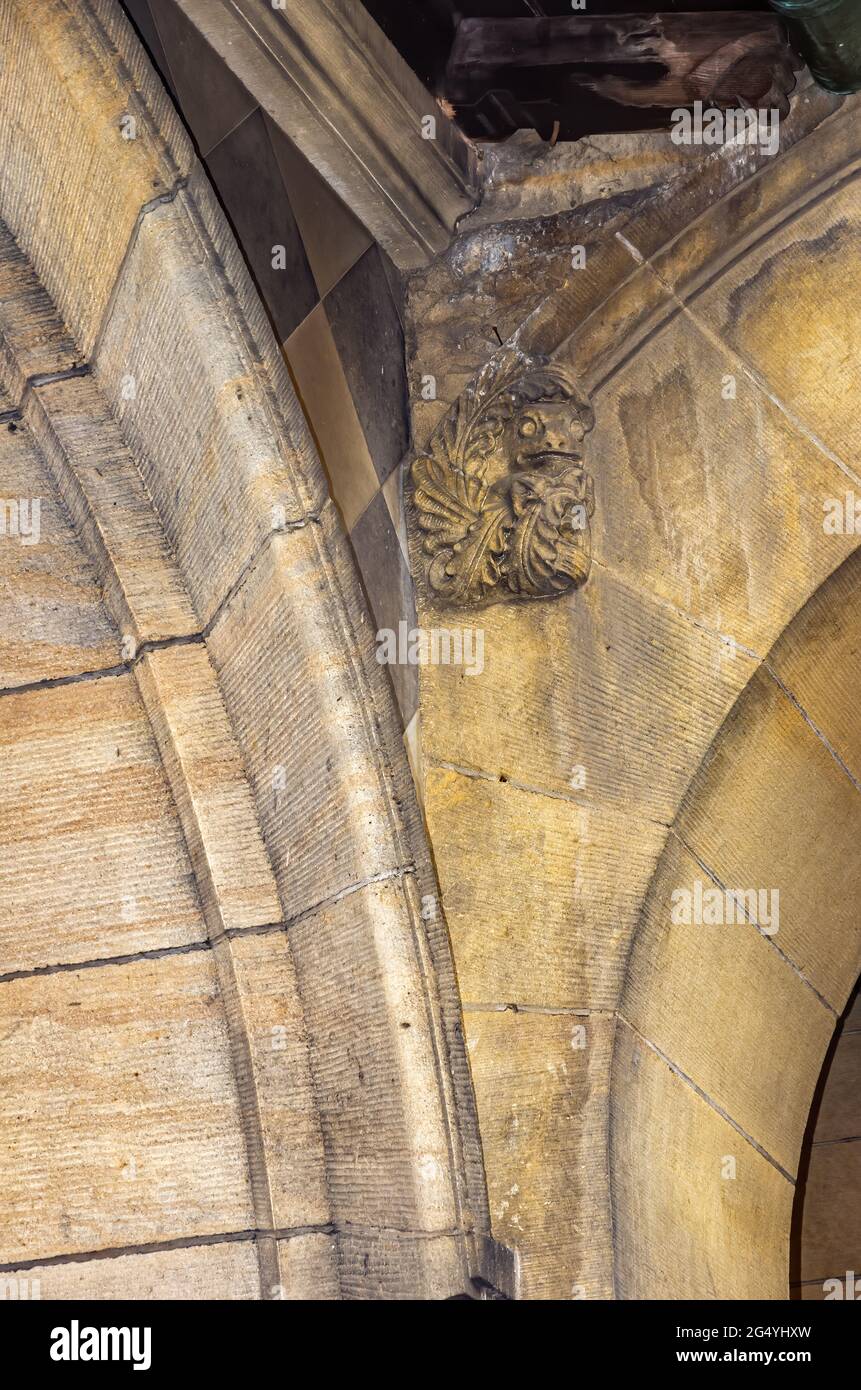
x,y
501,494
401,1173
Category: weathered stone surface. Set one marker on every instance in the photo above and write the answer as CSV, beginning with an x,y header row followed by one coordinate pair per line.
x,y
639,306
307,1269
826,1226
331,80
729,822
386,1146
272,1018
732,1056
541,1085
53,621
119,1111
606,705
683,1230
586,728
802,344
818,143
384,1166
180,692
818,660
394,1266
227,1270
515,277
708,214
65,92
96,865
296,695
713,499
521,938
33,341
105,497
485,286
167,1059
578,689
525,177
768,791
88,463
225,461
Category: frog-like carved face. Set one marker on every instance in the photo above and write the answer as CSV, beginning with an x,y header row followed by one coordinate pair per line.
x,y
544,433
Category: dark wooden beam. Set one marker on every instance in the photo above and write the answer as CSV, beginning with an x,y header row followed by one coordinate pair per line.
x,y
655,61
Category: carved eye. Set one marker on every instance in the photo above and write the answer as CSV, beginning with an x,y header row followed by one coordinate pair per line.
x,y
528,427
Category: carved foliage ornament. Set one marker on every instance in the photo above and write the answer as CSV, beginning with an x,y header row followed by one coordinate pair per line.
x,y
502,497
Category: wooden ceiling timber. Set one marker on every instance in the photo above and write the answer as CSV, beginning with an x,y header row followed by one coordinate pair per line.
x,y
423,30
570,72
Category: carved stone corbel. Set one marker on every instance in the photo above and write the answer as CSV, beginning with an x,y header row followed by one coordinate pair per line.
x,y
502,497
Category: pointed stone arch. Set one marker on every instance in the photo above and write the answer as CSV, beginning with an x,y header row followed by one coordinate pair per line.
x,y
723,1025
712,330
337,1137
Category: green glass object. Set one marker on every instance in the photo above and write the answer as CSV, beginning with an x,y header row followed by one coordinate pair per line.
x,y
827,33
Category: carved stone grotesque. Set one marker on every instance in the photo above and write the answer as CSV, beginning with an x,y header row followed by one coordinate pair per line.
x,y
501,495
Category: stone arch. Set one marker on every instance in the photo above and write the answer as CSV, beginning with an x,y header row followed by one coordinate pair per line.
x,y
723,1028
702,327
138,362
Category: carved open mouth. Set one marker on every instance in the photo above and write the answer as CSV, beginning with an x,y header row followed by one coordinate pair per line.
x,y
545,456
